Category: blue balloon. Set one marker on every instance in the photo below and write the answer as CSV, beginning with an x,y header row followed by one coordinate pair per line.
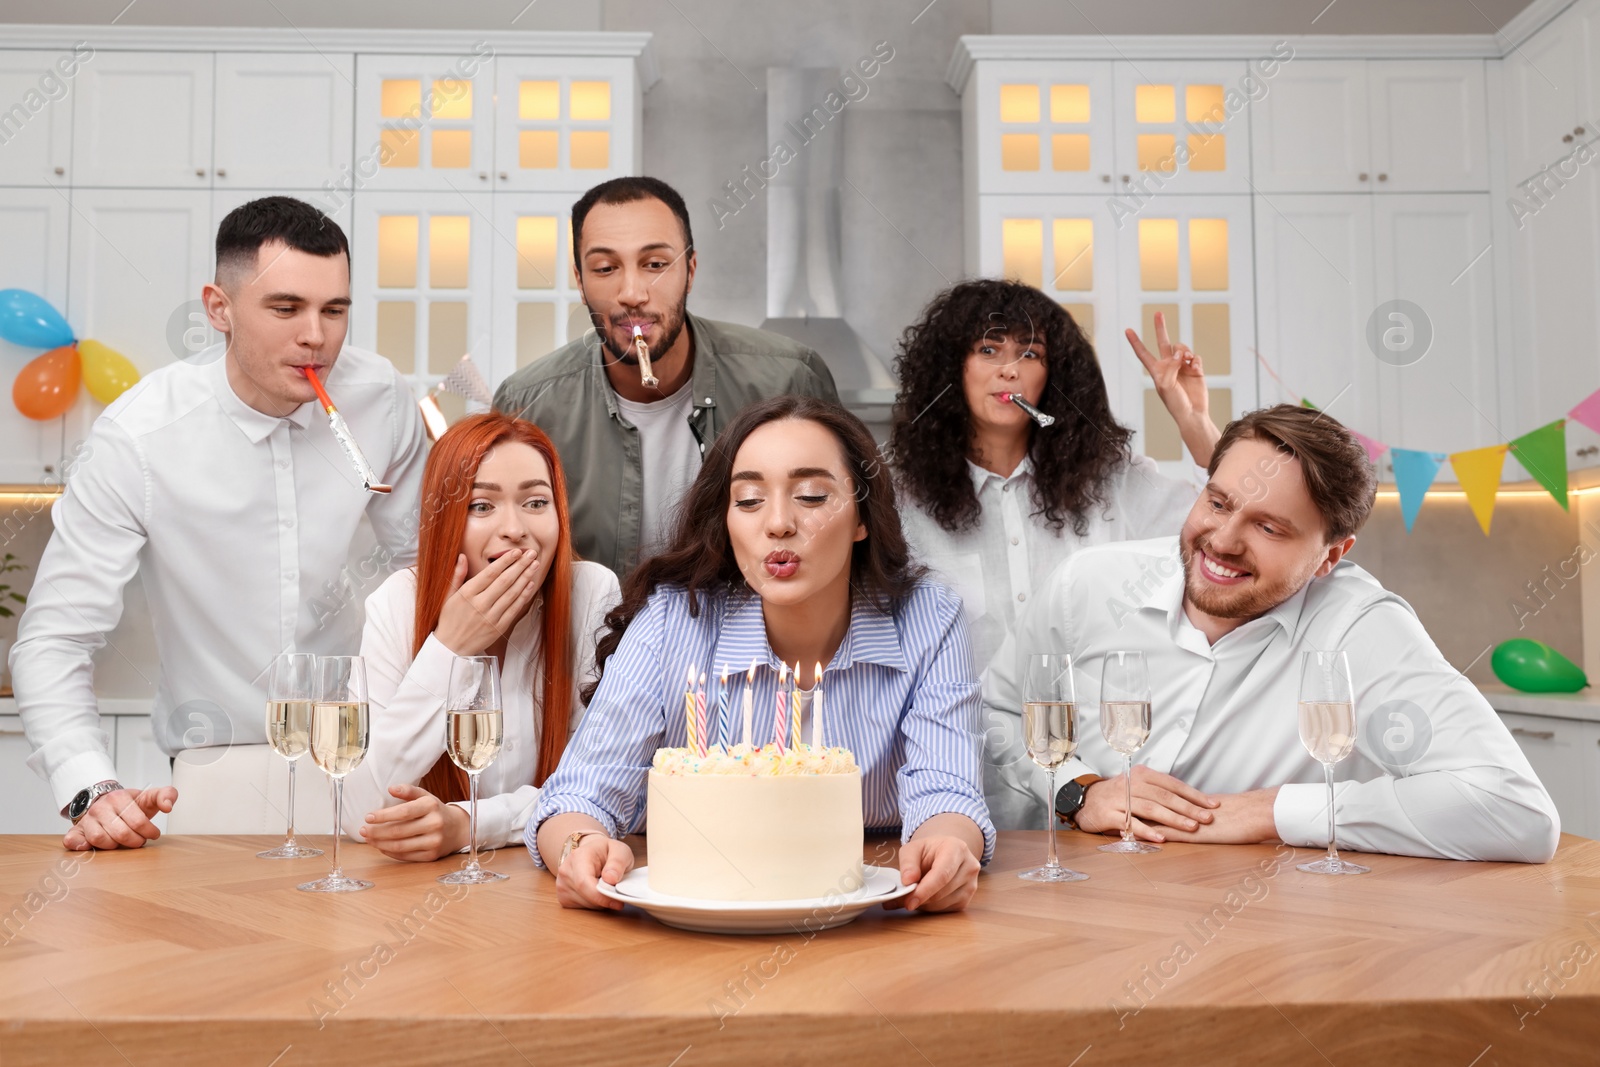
x,y
29,320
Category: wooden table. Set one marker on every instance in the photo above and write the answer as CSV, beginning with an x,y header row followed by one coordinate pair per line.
x,y
194,951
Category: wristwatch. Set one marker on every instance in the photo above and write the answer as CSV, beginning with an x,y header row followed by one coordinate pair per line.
x,y
572,843
1070,797
78,807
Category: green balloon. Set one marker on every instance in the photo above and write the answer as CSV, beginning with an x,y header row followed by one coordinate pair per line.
x,y
1535,667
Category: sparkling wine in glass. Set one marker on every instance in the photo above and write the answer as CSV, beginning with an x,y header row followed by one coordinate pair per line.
x,y
1328,730
1125,724
1050,732
291,685
338,745
474,731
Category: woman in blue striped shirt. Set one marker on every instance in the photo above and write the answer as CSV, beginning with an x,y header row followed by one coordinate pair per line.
x,y
787,549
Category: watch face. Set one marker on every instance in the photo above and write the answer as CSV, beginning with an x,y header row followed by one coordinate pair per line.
x,y
79,805
1069,798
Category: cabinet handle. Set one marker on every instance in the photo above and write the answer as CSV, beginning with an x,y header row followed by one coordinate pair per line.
x,y
1383,177
1578,130
1591,450
1124,179
1537,735
503,176
221,173
199,172
1105,177
1567,139
483,175
60,171
1363,175
13,733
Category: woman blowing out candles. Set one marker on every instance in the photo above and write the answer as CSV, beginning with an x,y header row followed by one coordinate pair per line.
x,y
494,577
787,549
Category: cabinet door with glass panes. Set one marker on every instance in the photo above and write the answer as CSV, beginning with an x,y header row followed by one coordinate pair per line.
x,y
36,131
1043,127
143,120
537,306
420,282
284,120
424,122
1190,259
1181,128
564,123
1066,246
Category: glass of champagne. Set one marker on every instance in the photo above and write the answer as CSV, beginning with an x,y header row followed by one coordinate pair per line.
x,y
338,745
474,729
1050,731
291,685
1125,724
1328,730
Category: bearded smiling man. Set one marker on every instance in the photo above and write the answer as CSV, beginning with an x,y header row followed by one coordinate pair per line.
x,y
630,448
1223,613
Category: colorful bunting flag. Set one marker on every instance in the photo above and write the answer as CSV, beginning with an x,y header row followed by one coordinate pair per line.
x,y
1588,411
1543,454
1413,473
1478,470
1374,448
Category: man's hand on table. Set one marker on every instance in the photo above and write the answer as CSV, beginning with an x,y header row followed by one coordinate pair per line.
x,y
942,860
1239,819
121,819
1163,807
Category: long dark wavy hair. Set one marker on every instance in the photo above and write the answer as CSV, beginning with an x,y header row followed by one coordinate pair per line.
x,y
932,425
700,557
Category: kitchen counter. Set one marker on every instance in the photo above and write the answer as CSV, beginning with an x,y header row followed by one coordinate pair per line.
x,y
1583,706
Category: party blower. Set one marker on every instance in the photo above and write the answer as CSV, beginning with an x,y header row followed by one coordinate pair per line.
x,y
646,375
341,432
1034,413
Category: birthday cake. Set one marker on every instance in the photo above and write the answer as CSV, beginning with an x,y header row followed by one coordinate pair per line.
x,y
754,824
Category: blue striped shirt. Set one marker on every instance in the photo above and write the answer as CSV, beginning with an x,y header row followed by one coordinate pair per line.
x,y
900,694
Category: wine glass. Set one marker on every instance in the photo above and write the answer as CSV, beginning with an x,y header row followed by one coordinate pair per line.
x,y
338,745
474,729
1125,724
291,685
1050,731
1328,730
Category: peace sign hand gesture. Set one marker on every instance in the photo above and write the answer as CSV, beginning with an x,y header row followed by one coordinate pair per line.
x,y
1180,382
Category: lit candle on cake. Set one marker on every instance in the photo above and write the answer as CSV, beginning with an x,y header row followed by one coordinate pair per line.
x,y
749,702
781,718
795,740
724,728
688,711
816,708
701,736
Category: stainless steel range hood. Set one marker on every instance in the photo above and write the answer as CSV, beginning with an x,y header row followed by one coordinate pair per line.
x,y
804,291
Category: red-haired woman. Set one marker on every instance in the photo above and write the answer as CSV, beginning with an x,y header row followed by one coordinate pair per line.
x,y
494,577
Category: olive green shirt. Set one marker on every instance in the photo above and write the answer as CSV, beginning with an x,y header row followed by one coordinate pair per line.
x,y
568,396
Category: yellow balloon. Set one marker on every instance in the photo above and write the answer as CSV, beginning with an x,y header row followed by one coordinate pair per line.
x,y
107,373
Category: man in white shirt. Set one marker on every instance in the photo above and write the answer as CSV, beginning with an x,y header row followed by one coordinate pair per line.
x,y
218,482
1223,614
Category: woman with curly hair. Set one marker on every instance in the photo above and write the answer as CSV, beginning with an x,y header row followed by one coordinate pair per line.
x,y
996,500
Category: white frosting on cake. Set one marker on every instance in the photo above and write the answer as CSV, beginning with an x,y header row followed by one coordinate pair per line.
x,y
744,824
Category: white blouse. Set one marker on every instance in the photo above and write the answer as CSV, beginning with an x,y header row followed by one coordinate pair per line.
x,y
406,702
996,566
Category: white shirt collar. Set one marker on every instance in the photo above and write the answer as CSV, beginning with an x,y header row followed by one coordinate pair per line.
x,y
980,476
1168,598
257,425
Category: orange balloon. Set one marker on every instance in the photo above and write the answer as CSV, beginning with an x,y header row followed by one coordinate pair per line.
x,y
48,385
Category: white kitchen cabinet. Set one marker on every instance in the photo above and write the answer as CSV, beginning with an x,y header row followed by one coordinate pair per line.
x,y
1429,125
1311,129
537,307
36,127
1436,252
1190,258
1042,127
1552,91
1354,125
421,279
1314,293
424,122
143,120
1181,128
283,120
1565,754
26,806
565,123
34,234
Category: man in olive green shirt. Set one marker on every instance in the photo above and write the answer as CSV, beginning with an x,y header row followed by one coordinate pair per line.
x,y
629,448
